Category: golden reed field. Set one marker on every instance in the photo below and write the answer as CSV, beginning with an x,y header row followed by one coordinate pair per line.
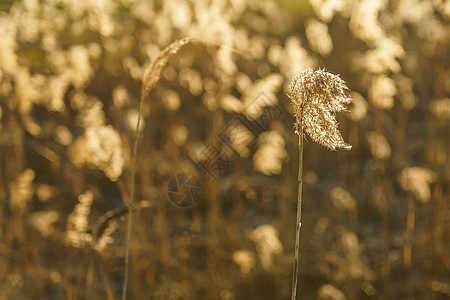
x,y
155,149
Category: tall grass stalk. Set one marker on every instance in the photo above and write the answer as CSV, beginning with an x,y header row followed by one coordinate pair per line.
x,y
150,78
316,96
130,205
299,215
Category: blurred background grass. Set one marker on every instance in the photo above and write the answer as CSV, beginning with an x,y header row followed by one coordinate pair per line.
x,y
375,219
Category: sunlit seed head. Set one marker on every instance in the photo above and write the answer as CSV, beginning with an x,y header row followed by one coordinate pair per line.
x,y
440,108
318,37
245,259
378,145
417,180
316,96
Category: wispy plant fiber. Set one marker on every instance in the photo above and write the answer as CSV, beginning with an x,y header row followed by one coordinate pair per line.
x,y
316,96
152,74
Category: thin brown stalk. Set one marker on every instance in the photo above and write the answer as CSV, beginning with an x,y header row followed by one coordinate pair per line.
x,y
316,96
130,205
150,78
299,215
407,249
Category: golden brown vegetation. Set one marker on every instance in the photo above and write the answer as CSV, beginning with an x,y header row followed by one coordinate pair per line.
x,y
217,118
316,97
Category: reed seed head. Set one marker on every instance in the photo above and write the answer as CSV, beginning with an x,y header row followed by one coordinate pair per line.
x,y
316,96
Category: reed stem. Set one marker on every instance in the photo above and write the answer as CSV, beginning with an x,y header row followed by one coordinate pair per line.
x,y
130,205
299,213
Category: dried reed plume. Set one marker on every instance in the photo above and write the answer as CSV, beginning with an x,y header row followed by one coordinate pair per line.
x,y
316,96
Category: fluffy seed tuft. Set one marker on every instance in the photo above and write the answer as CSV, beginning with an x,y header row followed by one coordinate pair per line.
x,y
316,96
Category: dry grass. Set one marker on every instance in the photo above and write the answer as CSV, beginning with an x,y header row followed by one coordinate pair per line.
x,y
72,75
316,96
